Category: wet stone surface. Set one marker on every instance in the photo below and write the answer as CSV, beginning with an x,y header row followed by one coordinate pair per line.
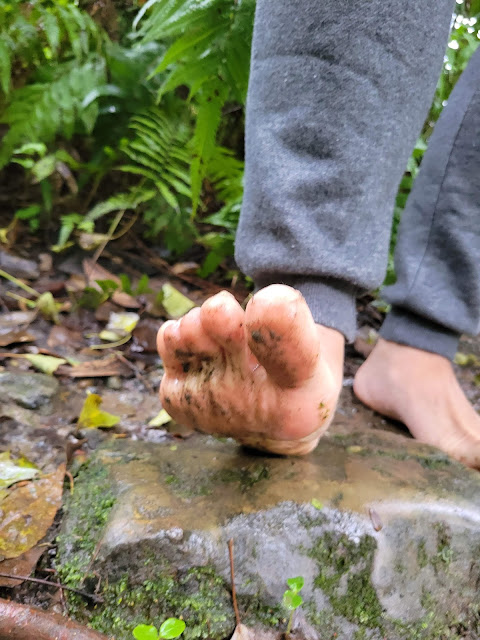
x,y
393,552
28,390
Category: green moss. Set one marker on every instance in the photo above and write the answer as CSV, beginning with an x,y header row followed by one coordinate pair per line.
x,y
89,506
255,611
246,477
422,557
199,596
444,554
344,575
323,621
203,485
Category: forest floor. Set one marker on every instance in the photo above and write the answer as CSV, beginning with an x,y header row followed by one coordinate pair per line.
x,y
78,365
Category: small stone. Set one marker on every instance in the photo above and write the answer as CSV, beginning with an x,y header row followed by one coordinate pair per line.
x,y
18,267
29,390
115,383
175,534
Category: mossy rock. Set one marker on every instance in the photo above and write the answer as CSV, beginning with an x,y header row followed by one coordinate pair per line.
x,y
392,553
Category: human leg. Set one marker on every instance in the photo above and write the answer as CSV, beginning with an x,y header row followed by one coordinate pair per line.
x,y
334,108
436,297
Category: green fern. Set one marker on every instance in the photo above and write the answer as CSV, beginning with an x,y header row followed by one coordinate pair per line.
x,y
209,52
40,111
43,31
158,154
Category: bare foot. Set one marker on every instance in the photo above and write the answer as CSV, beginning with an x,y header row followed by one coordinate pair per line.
x,y
268,376
420,389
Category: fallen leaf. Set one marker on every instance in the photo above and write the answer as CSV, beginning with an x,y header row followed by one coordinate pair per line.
x,y
60,336
28,512
466,359
92,417
45,364
14,319
109,366
174,302
185,267
13,337
45,262
145,336
375,519
160,419
12,471
108,336
125,300
242,632
123,323
23,565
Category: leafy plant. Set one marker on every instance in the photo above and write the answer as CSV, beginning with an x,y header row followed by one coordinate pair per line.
x,y
291,599
171,628
209,53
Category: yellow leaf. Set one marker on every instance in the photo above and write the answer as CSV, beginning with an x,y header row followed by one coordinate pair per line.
x,y
92,417
174,302
122,323
46,364
160,419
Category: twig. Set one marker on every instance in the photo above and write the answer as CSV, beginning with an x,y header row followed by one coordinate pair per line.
x,y
111,231
58,585
19,283
135,370
232,574
20,622
70,479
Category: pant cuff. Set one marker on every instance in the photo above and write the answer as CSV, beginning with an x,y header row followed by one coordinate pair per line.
x,y
407,328
329,301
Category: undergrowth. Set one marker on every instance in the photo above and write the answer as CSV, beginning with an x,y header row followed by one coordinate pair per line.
x,y
140,117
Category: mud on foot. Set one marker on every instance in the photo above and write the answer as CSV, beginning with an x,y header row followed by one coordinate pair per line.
x,y
267,376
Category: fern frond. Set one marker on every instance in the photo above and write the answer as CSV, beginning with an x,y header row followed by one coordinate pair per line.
x,y
203,142
119,201
209,52
157,153
40,111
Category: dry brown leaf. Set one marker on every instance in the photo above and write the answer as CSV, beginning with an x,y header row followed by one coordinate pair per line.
x,y
60,336
21,566
109,366
145,335
14,337
185,267
27,513
14,319
76,283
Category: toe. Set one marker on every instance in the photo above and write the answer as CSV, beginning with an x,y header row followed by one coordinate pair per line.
x,y
167,340
223,319
282,334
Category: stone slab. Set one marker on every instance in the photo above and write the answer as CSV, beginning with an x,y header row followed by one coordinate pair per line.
x,y
394,550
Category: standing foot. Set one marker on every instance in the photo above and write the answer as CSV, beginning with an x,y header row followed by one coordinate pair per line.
x,y
267,376
420,389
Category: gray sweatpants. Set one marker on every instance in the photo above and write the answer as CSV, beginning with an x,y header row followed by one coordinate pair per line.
x,y
338,94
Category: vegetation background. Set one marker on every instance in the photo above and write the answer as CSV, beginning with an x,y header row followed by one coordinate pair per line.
x,y
121,115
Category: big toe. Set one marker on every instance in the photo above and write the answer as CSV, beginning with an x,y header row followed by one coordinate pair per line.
x,y
282,335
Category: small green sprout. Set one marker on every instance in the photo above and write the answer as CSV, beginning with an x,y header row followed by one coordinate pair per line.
x,y
171,628
291,599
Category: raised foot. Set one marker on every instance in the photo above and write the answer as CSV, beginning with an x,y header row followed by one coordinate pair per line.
x,y
267,376
420,389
